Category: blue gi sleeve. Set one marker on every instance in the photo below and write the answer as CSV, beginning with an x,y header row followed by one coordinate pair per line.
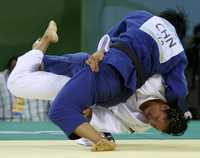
x,y
176,84
67,64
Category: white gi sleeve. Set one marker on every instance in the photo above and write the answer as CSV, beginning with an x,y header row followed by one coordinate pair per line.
x,y
104,120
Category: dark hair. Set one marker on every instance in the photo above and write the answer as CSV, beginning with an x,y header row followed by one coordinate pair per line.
x,y
177,124
9,63
178,19
196,29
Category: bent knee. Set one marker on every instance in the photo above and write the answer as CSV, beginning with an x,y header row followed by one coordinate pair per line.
x,y
15,85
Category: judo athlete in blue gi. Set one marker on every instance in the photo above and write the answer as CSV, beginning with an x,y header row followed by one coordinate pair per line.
x,y
157,46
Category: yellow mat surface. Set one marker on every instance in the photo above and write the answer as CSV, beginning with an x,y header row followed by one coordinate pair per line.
x,y
125,149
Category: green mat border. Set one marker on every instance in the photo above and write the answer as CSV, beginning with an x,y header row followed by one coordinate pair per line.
x,y
48,131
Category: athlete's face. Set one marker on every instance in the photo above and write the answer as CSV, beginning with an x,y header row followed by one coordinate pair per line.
x,y
156,115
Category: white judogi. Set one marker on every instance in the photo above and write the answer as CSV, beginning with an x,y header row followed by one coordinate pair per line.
x,y
26,81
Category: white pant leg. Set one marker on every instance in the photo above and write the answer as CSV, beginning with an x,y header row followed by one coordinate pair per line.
x,y
26,81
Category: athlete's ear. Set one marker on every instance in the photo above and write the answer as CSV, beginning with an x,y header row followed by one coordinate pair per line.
x,y
164,107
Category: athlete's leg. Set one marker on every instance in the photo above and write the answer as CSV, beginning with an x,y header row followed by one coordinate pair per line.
x,y
26,81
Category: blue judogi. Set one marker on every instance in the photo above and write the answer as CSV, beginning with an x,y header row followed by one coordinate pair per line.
x,y
153,40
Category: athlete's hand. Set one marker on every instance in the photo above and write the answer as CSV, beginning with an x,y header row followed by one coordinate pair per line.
x,y
104,145
95,59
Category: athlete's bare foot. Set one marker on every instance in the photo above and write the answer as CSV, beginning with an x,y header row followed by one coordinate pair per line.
x,y
50,36
51,32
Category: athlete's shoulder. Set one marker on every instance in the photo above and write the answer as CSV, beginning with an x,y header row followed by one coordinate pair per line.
x,y
140,14
136,18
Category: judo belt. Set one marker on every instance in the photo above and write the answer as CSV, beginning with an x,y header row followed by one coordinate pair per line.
x,y
126,92
134,58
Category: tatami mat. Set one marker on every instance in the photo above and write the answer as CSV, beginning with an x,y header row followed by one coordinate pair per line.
x,y
125,149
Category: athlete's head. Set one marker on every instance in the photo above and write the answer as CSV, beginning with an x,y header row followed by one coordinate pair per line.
x,y
162,117
178,19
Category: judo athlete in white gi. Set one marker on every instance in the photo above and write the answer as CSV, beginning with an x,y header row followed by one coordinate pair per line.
x,y
87,88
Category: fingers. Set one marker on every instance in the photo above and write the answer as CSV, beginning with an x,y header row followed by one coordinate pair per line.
x,y
104,145
87,111
93,63
95,60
